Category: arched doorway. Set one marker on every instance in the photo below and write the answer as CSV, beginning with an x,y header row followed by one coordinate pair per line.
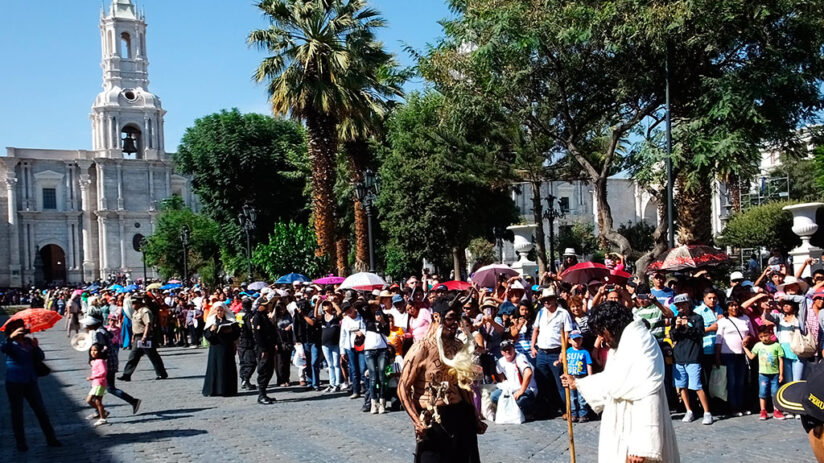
x,y
54,263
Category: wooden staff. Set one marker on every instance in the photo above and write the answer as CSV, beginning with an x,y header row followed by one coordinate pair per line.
x,y
566,394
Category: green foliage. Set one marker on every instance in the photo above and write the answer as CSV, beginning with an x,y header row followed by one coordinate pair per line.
x,y
291,248
164,248
639,235
483,252
580,236
801,176
437,189
236,158
765,225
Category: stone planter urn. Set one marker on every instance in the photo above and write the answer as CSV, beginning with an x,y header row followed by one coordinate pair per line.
x,y
523,245
805,226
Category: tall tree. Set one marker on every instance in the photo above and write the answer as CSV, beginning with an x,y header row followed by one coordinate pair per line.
x,y
236,158
312,76
438,190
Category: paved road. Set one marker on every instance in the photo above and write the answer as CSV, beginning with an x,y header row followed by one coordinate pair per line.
x,y
176,423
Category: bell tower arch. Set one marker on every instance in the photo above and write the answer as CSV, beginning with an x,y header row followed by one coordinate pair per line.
x,y
127,119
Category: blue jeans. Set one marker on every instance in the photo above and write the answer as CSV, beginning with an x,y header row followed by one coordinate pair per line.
x,y
548,377
376,364
736,375
313,360
525,401
767,381
793,370
357,365
578,405
332,355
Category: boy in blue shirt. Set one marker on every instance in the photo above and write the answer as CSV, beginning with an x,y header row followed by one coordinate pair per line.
x,y
579,365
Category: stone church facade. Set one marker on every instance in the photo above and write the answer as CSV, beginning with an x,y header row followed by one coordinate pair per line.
x,y
79,215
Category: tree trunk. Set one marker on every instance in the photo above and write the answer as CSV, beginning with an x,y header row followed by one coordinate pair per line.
x,y
694,209
357,153
342,256
606,232
538,217
659,237
456,263
323,144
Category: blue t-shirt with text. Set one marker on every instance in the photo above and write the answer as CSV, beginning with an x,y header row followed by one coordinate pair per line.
x,y
577,361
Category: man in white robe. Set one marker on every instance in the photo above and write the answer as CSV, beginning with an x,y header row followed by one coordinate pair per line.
x,y
635,423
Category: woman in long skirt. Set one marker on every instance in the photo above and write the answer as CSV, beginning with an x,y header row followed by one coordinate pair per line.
x,y
221,331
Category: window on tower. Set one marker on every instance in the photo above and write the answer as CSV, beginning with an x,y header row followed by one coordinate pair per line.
x,y
125,46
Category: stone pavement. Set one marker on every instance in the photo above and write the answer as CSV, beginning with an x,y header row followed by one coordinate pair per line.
x,y
176,423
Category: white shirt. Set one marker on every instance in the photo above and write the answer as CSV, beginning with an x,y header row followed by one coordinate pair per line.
x,y
515,372
400,319
549,327
348,328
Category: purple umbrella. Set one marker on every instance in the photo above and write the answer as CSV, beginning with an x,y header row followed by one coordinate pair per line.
x,y
330,280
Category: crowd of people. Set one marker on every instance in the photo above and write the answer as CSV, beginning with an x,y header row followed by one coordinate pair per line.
x,y
726,349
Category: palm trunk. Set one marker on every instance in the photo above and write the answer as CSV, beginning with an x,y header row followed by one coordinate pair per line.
x,y
323,144
694,209
342,256
734,189
456,263
538,217
357,153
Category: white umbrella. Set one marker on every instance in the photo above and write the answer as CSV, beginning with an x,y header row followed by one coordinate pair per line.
x,y
363,281
487,276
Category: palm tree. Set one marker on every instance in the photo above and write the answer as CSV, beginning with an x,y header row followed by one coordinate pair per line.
x,y
311,74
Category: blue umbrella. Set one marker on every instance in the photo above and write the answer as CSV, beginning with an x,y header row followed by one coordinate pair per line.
x,y
170,286
93,287
127,289
290,278
114,287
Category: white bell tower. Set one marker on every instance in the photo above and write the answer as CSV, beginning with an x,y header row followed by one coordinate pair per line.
x,y
127,120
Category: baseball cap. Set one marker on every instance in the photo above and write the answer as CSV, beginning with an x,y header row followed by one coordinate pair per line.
x,y
516,285
818,294
441,288
735,276
396,299
575,334
805,398
507,344
680,298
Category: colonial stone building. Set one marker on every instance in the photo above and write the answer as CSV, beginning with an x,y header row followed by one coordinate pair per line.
x,y
79,215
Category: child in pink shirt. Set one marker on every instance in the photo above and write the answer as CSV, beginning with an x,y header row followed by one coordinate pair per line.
x,y
98,379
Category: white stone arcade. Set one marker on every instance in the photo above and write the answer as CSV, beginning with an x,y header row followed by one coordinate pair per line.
x,y
76,215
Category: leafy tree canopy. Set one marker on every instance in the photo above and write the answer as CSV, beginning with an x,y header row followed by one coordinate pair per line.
x,y
236,158
164,249
766,225
291,248
437,190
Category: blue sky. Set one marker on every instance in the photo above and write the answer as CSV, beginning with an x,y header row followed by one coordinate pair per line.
x,y
199,62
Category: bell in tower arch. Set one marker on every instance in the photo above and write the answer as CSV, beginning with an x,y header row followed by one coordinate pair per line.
x,y
130,140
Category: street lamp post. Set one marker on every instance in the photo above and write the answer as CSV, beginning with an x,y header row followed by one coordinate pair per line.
x,y
367,193
143,251
550,215
184,239
246,218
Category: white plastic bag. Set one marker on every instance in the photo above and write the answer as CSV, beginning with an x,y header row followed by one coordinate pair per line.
x,y
718,382
299,360
508,411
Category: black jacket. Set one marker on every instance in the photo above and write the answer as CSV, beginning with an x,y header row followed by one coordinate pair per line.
x,y
265,332
688,340
247,334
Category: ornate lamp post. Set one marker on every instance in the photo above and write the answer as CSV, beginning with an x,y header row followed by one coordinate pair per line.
x,y
184,239
550,215
247,218
366,193
143,251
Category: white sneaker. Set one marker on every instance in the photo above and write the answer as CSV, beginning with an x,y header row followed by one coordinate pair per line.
x,y
382,407
329,389
707,418
101,422
688,417
374,409
93,416
798,417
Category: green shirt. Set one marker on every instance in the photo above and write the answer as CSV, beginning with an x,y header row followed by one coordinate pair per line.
x,y
768,357
653,315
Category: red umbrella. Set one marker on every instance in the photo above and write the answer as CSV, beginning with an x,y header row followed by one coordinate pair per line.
x,y
619,276
35,319
455,285
583,273
688,256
